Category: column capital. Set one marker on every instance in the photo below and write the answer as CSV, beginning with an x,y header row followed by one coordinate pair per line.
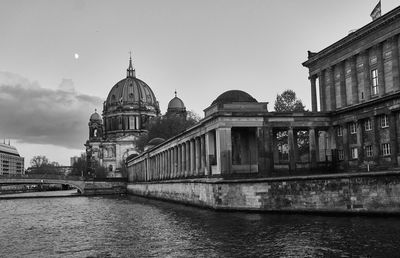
x,y
313,76
353,58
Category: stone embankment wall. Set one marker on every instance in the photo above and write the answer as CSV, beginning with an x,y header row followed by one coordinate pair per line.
x,y
104,187
357,192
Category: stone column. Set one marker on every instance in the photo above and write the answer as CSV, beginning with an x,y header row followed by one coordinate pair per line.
x,y
183,160
210,146
265,155
187,170
346,145
366,74
313,79
395,62
354,80
202,155
375,146
393,137
192,157
198,158
175,161
168,165
291,144
381,71
343,95
331,74
322,91
162,172
360,141
313,148
224,150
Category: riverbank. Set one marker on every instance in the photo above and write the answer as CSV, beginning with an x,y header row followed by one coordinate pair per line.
x,y
357,193
46,194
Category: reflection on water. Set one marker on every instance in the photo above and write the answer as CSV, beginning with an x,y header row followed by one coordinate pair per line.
x,y
137,227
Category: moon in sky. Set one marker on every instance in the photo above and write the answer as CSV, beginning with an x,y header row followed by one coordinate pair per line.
x,y
76,56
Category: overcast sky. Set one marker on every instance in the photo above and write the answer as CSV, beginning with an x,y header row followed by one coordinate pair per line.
x,y
199,48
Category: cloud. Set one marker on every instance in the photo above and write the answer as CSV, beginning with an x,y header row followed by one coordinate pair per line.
x,y
33,114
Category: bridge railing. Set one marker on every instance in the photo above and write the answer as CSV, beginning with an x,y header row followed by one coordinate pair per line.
x,y
42,176
63,177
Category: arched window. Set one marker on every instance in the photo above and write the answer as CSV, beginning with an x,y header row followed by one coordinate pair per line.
x,y
110,168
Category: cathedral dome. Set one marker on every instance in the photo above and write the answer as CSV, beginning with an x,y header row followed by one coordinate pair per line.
x,y
133,93
234,96
131,90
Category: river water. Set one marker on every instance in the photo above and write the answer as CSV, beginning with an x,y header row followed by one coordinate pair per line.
x,y
137,227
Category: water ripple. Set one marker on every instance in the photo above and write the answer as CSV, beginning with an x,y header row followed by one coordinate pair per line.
x,y
137,227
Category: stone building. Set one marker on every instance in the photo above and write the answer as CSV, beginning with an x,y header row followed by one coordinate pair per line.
x,y
236,137
354,123
358,86
176,107
127,110
11,162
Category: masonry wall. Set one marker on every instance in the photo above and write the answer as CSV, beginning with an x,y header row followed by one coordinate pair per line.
x,y
356,193
100,188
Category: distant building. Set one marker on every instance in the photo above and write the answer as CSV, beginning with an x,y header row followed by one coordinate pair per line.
x,y
11,162
176,107
126,113
73,160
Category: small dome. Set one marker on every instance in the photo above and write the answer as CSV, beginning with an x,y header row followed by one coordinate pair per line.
x,y
155,141
234,96
176,103
95,117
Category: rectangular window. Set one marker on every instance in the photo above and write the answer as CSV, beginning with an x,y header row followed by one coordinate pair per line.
x,y
339,131
353,128
384,121
354,153
386,149
132,122
341,154
368,150
368,125
374,78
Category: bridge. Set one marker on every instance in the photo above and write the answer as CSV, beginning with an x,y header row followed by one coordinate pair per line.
x,y
86,186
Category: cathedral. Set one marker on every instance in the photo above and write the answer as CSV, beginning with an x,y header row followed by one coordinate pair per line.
x,y
128,109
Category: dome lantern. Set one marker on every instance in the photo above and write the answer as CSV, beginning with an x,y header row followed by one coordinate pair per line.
x,y
130,72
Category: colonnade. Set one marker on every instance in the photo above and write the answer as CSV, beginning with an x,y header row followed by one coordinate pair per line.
x,y
293,151
184,159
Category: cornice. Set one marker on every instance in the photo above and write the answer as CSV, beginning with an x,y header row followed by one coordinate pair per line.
x,y
354,36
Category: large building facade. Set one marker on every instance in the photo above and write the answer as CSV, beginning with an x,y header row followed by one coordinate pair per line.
x,y
11,163
127,111
354,124
358,85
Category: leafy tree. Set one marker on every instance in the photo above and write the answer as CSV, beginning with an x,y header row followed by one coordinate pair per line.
x,y
288,102
79,167
166,127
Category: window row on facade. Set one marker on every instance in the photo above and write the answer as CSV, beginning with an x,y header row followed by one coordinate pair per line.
x,y
371,73
366,123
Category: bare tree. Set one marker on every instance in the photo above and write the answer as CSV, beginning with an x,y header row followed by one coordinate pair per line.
x,y
39,161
